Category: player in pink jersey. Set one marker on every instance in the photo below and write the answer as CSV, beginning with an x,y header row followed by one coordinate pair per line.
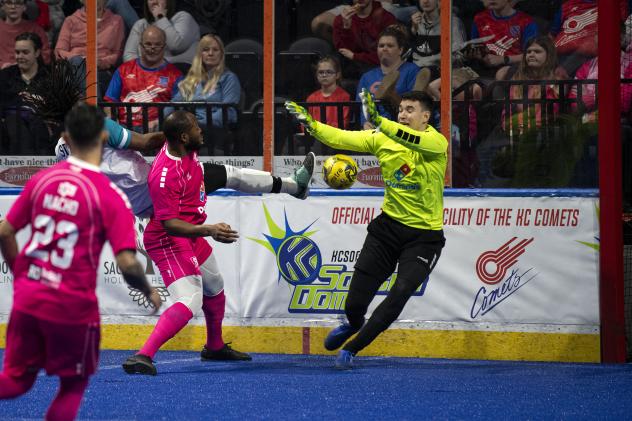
x,y
174,239
72,209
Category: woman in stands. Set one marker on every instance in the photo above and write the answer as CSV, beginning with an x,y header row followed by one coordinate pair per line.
x,y
27,133
181,29
539,62
208,80
71,44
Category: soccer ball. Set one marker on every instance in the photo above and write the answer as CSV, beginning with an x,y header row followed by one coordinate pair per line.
x,y
340,171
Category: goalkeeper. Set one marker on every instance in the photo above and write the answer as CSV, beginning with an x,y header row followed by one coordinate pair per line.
x,y
409,231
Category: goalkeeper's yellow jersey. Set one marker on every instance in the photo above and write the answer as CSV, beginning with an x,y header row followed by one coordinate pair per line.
x,y
413,166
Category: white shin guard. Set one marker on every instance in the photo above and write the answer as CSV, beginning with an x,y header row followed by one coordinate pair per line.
x,y
212,280
188,291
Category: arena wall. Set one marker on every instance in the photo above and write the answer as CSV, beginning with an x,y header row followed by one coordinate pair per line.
x,y
517,280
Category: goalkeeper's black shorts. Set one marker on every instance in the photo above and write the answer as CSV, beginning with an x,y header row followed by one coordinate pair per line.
x,y
389,242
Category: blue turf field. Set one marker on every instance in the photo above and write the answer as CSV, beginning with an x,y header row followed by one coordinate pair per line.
x,y
284,387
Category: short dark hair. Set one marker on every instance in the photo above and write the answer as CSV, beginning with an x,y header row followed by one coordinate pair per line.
x,y
395,32
30,36
176,124
84,124
426,101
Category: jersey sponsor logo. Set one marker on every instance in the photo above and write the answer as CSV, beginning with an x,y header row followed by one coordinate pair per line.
x,y
66,188
402,172
498,269
319,287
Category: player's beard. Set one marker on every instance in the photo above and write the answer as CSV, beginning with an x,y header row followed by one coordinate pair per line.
x,y
194,146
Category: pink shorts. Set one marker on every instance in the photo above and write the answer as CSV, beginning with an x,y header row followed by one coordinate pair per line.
x,y
64,350
177,257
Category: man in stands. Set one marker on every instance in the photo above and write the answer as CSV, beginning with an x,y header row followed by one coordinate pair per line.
x,y
149,78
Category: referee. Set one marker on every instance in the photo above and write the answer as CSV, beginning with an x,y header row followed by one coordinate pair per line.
x,y
409,231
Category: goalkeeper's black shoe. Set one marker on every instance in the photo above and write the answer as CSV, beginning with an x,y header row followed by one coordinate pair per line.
x,y
226,353
139,364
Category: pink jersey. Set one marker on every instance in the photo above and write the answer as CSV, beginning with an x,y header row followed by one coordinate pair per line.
x,y
176,187
72,209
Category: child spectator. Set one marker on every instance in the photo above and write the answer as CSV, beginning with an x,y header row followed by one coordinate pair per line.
x,y
328,75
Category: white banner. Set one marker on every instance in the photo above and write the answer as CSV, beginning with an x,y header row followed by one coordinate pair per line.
x,y
518,260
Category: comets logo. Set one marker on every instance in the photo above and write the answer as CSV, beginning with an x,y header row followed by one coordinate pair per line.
x,y
491,266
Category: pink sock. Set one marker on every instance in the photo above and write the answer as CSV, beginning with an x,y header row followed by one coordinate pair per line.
x,y
171,322
66,404
213,308
12,387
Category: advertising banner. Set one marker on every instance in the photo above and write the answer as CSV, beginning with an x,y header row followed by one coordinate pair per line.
x,y
519,260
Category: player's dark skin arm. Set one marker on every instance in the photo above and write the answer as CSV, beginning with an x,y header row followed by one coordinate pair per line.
x,y
146,142
8,244
134,275
220,232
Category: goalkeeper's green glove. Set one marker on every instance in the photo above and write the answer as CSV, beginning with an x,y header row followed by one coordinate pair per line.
x,y
301,115
369,109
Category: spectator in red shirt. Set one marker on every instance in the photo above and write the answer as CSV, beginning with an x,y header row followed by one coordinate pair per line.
x,y
12,26
357,30
328,74
149,78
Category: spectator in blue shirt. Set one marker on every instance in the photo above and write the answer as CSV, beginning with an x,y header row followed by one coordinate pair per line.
x,y
208,80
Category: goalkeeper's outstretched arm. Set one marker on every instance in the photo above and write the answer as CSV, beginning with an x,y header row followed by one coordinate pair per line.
x,y
358,141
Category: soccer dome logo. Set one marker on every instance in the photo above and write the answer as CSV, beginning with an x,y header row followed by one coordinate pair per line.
x,y
298,257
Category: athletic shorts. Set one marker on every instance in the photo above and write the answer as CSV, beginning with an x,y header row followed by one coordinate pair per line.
x,y
389,242
177,257
61,349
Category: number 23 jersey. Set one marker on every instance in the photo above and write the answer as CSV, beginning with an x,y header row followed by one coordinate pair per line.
x,y
72,209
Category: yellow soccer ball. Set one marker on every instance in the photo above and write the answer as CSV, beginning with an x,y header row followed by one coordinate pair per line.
x,y
340,171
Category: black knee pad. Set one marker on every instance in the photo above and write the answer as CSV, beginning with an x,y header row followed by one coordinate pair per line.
x,y
214,177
